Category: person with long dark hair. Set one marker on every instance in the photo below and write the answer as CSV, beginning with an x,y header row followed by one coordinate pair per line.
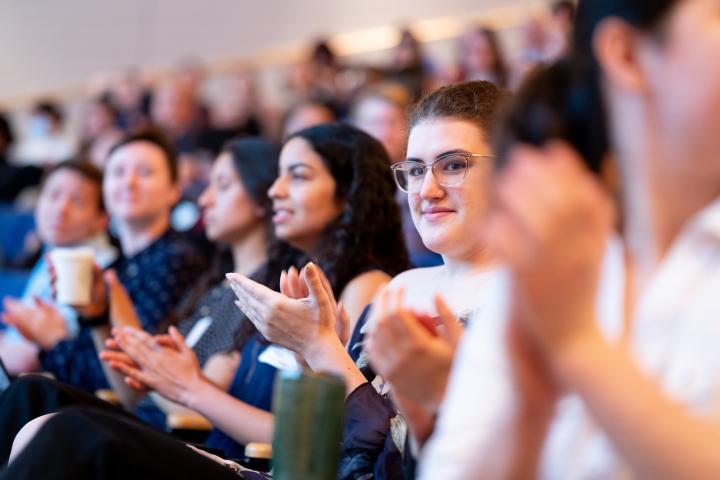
x,y
640,386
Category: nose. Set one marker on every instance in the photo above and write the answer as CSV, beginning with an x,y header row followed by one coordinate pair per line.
x,y
207,197
278,189
130,179
62,207
430,188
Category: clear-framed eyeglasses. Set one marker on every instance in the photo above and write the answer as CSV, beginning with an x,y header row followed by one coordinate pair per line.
x,y
449,170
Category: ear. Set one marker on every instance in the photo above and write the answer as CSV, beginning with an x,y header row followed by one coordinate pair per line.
x,y
261,212
174,193
617,49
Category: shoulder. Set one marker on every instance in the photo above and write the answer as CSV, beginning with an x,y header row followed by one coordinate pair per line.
x,y
412,277
367,282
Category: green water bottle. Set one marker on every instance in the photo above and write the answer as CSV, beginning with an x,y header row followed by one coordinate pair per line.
x,y
308,409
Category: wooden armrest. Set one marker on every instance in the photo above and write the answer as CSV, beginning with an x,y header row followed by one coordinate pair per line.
x,y
49,375
108,395
187,421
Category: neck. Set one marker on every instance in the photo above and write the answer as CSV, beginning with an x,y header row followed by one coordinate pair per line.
x,y
250,252
467,262
136,236
659,194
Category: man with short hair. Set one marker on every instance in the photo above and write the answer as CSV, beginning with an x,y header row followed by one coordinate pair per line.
x,y
70,212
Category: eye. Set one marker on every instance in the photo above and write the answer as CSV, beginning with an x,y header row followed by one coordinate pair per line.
x,y
415,171
454,166
145,171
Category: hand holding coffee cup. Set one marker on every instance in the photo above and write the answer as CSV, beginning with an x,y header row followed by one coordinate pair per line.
x,y
77,280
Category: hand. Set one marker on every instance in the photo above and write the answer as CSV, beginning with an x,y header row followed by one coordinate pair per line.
x,y
117,359
301,325
293,285
40,323
550,224
172,371
98,298
411,351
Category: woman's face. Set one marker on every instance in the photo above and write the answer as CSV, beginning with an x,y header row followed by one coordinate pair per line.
x,y
450,219
137,185
683,73
303,196
228,209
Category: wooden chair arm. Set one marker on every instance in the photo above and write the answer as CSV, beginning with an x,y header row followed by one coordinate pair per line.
x,y
108,395
187,421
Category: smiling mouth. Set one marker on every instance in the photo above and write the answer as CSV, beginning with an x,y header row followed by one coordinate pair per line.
x,y
281,215
436,213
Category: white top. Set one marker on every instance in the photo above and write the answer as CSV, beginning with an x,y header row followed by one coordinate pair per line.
x,y
674,339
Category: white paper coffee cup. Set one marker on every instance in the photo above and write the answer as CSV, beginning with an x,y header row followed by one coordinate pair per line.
x,y
74,268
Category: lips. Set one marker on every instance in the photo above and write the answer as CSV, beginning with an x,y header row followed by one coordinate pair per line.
x,y
436,213
281,215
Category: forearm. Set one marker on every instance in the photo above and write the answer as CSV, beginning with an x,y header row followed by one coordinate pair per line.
x,y
128,397
656,436
243,422
330,356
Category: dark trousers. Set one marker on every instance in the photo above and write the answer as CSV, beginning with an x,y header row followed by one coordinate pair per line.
x,y
32,396
98,444
92,439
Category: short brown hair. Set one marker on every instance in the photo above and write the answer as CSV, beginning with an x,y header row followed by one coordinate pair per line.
x,y
83,168
478,102
156,138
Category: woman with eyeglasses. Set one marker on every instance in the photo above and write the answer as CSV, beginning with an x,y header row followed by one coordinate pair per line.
x,y
446,178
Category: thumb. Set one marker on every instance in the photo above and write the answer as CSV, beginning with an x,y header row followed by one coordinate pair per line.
x,y
315,286
40,303
110,277
178,339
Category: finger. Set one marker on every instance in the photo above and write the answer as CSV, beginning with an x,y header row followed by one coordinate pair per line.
x,y
451,329
315,287
116,357
179,340
284,288
326,284
251,307
165,341
135,373
245,288
293,280
135,385
112,344
135,346
342,323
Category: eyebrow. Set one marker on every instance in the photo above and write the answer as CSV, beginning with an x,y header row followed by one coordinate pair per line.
x,y
295,166
448,152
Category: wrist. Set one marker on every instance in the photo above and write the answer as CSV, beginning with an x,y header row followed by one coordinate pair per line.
x,y
318,351
570,360
196,394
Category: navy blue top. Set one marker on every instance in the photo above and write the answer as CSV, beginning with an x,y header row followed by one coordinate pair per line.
x,y
156,279
253,384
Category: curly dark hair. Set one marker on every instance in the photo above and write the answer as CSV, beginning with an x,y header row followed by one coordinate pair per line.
x,y
367,234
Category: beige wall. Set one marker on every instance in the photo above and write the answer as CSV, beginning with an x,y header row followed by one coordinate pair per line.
x,y
57,45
